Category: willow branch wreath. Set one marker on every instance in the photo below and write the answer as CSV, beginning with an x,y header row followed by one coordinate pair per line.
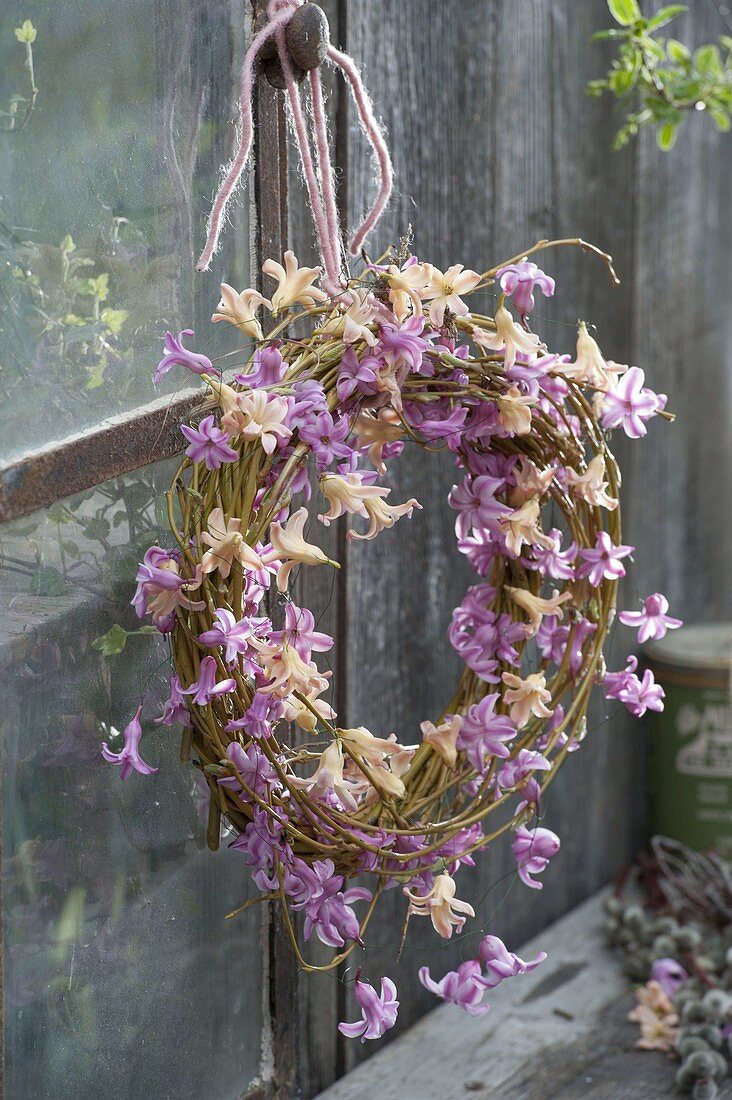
x,y
352,370
399,358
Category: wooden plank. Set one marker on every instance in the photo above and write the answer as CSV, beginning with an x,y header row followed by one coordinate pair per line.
x,y
558,1033
323,591
682,335
494,146
540,1016
281,990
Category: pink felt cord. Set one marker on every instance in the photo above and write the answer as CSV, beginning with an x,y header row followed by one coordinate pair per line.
x,y
329,255
236,168
327,182
375,136
320,185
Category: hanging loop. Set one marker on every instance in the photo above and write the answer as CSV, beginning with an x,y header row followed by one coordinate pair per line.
x,y
292,44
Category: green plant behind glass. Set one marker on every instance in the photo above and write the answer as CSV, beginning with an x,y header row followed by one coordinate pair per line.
x,y
20,106
660,78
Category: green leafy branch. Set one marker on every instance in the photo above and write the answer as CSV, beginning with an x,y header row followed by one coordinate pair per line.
x,y
26,35
661,77
114,641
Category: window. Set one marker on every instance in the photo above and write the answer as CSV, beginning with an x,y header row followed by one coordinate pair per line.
x,y
113,910
104,181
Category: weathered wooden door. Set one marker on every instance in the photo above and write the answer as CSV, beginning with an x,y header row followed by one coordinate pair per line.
x,y
496,146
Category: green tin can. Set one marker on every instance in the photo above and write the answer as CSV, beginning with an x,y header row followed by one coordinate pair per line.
x,y
692,744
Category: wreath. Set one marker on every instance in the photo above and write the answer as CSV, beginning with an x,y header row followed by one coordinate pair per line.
x,y
352,371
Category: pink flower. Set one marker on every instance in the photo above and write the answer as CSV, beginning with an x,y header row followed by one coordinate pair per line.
x,y
642,695
178,356
628,404
603,561
638,695
379,1012
483,733
652,621
523,764
520,279
235,636
254,769
441,906
205,688
160,589
175,709
501,963
209,444
475,500
129,758
300,633
357,376
552,560
464,987
325,436
533,850
615,683
404,345
669,974
268,368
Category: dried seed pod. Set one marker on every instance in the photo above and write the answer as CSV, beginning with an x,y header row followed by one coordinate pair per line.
x,y
636,966
275,76
308,36
711,1035
612,930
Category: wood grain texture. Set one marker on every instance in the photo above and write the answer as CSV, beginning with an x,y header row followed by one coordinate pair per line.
x,y
494,146
574,1010
323,590
682,335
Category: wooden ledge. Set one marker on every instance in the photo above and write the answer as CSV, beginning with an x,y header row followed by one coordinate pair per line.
x,y
558,1033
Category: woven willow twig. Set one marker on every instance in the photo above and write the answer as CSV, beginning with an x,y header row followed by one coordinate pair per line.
x,y
436,805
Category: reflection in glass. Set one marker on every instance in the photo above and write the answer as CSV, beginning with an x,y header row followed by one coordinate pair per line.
x,y
105,182
122,976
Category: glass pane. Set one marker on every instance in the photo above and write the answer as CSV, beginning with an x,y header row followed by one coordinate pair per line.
x,y
105,184
122,976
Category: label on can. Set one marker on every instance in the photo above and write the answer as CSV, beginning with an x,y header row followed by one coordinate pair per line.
x,y
692,777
